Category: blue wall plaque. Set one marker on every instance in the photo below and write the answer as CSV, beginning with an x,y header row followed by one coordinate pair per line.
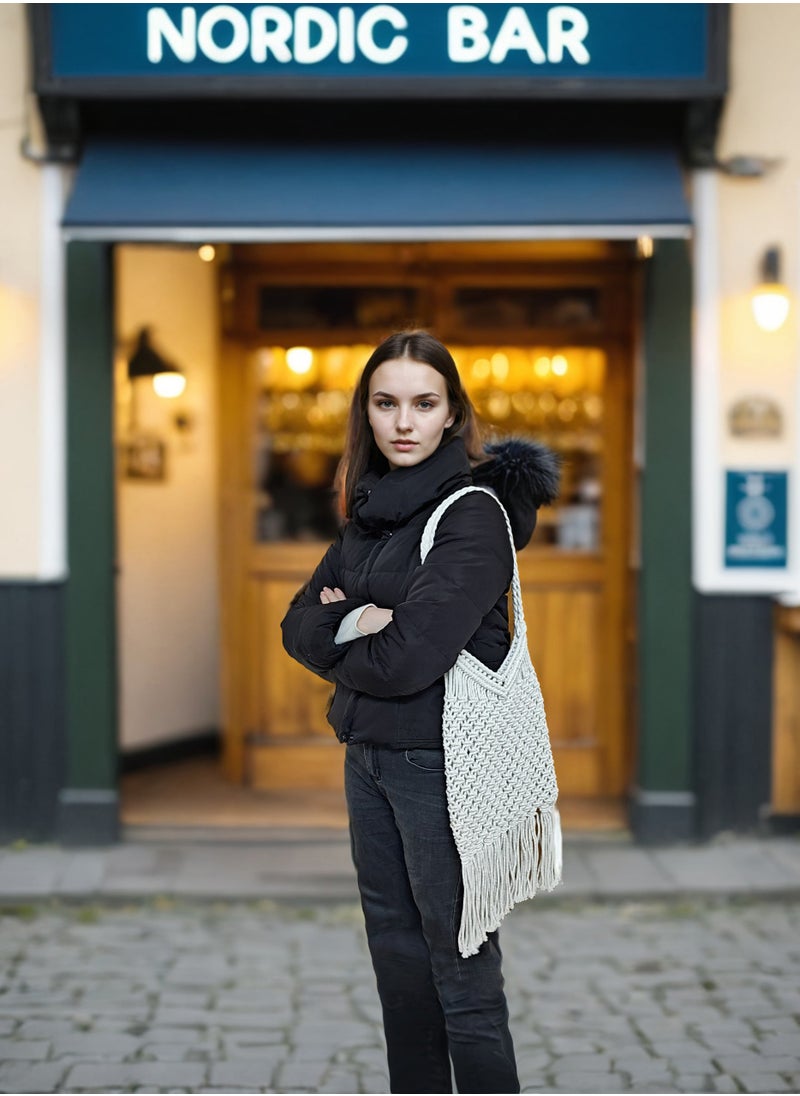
x,y
755,519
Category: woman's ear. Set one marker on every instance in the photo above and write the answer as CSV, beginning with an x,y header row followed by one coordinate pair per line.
x,y
450,420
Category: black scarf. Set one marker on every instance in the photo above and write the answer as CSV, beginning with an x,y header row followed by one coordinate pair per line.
x,y
385,502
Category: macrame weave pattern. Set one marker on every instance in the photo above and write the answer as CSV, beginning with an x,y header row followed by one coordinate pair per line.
x,y
501,782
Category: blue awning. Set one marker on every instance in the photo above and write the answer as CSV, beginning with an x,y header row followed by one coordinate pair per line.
x,y
195,190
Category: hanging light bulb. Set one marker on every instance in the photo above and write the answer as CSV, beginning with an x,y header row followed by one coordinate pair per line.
x,y
169,385
300,359
770,300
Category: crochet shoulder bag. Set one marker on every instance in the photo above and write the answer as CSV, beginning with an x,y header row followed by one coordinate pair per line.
x,y
500,778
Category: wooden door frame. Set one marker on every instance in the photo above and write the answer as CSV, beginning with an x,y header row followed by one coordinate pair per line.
x,y
234,470
615,730
617,519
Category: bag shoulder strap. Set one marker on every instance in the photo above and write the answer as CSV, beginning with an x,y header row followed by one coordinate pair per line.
x,y
429,533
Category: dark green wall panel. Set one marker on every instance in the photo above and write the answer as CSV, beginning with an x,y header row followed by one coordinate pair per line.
x,y
665,592
90,605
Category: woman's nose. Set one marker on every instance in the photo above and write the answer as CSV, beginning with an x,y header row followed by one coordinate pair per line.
x,y
404,419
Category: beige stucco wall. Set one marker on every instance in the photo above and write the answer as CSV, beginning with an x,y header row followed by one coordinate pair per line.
x,y
20,281
167,591
760,119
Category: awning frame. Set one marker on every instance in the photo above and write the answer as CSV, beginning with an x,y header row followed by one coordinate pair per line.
x,y
374,234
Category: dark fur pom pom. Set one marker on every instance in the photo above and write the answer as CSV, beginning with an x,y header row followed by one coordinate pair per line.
x,y
520,466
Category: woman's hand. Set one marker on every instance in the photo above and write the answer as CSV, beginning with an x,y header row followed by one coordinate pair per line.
x,y
328,596
373,619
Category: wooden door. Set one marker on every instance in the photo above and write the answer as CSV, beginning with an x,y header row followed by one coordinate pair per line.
x,y
275,732
578,601
577,610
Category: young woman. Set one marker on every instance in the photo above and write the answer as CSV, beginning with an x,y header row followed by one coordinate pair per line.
x,y
384,629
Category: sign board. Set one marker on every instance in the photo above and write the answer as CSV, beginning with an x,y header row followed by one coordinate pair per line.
x,y
755,519
573,50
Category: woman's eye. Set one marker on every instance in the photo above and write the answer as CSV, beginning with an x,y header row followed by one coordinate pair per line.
x,y
385,403
425,404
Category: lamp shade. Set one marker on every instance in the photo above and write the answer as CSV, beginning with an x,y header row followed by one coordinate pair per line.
x,y
145,360
168,380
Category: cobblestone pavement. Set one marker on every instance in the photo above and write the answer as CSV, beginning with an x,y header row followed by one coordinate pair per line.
x,y
185,996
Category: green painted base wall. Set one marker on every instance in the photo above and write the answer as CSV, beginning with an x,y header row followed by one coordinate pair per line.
x,y
32,735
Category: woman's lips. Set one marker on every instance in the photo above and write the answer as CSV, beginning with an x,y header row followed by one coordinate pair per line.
x,y
404,446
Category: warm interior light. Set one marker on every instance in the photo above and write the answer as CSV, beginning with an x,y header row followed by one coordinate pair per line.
x,y
559,365
564,410
500,364
299,359
644,247
770,300
207,253
770,306
169,385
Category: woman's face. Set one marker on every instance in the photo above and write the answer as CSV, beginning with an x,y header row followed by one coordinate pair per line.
x,y
407,410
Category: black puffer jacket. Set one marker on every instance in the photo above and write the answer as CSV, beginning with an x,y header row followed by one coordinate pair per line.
x,y
389,687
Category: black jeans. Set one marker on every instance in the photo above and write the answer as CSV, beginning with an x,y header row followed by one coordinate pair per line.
x,y
436,1005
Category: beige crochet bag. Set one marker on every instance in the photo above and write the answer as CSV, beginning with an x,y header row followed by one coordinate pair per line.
x,y
501,782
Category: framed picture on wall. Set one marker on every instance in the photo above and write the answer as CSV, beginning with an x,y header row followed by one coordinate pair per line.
x,y
144,459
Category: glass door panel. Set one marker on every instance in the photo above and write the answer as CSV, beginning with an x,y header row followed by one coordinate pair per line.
x,y
553,394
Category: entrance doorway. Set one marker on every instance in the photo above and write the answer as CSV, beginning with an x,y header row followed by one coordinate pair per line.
x,y
544,337
90,801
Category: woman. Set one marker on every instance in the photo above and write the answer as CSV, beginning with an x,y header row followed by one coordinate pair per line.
x,y
385,629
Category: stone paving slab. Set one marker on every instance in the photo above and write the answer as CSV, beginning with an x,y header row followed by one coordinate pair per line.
x,y
627,870
306,868
743,865
160,995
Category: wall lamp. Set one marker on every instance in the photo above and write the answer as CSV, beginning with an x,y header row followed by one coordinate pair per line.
x,y
771,298
168,380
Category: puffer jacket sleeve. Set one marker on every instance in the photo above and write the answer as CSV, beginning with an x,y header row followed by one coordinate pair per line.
x,y
309,627
467,570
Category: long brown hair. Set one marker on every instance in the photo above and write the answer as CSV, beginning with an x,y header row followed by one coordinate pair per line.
x,y
361,454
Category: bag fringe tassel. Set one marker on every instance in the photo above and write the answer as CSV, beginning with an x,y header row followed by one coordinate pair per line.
x,y
525,859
